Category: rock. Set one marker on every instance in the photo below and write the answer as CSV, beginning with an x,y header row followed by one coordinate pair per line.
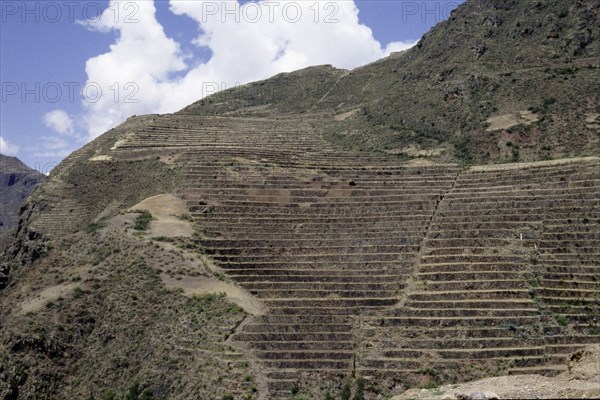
x,y
585,365
477,396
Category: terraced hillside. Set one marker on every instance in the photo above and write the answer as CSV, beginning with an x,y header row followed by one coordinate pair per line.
x,y
357,246
507,276
401,273
499,81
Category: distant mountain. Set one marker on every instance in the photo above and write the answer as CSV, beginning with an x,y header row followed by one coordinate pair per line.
x,y
17,181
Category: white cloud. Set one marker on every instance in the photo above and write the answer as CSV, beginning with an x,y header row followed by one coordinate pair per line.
x,y
7,148
258,40
60,122
53,146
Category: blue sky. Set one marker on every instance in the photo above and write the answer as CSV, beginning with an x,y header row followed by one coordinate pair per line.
x,y
158,56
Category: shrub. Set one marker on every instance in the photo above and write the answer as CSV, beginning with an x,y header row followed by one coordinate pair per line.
x,y
346,390
133,392
562,320
515,154
462,150
109,395
147,394
142,221
360,389
95,226
78,292
185,217
431,385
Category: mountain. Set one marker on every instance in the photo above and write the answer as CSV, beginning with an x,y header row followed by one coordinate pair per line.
x,y
17,181
327,233
497,82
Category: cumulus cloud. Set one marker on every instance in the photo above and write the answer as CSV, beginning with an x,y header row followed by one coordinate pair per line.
x,y
7,148
145,71
60,122
66,140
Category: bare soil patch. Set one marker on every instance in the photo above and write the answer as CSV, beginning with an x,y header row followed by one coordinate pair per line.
x,y
41,299
201,285
169,213
509,120
346,115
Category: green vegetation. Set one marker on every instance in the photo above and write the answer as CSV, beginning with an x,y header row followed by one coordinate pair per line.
x,y
142,221
462,151
346,389
134,392
562,320
360,389
515,156
431,385
185,217
533,282
96,225
162,239
78,292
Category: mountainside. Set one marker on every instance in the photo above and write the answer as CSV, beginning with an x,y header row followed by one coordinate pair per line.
x,y
327,234
498,81
17,181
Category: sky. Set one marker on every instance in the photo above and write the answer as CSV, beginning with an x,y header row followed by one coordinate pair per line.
x,y
71,70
